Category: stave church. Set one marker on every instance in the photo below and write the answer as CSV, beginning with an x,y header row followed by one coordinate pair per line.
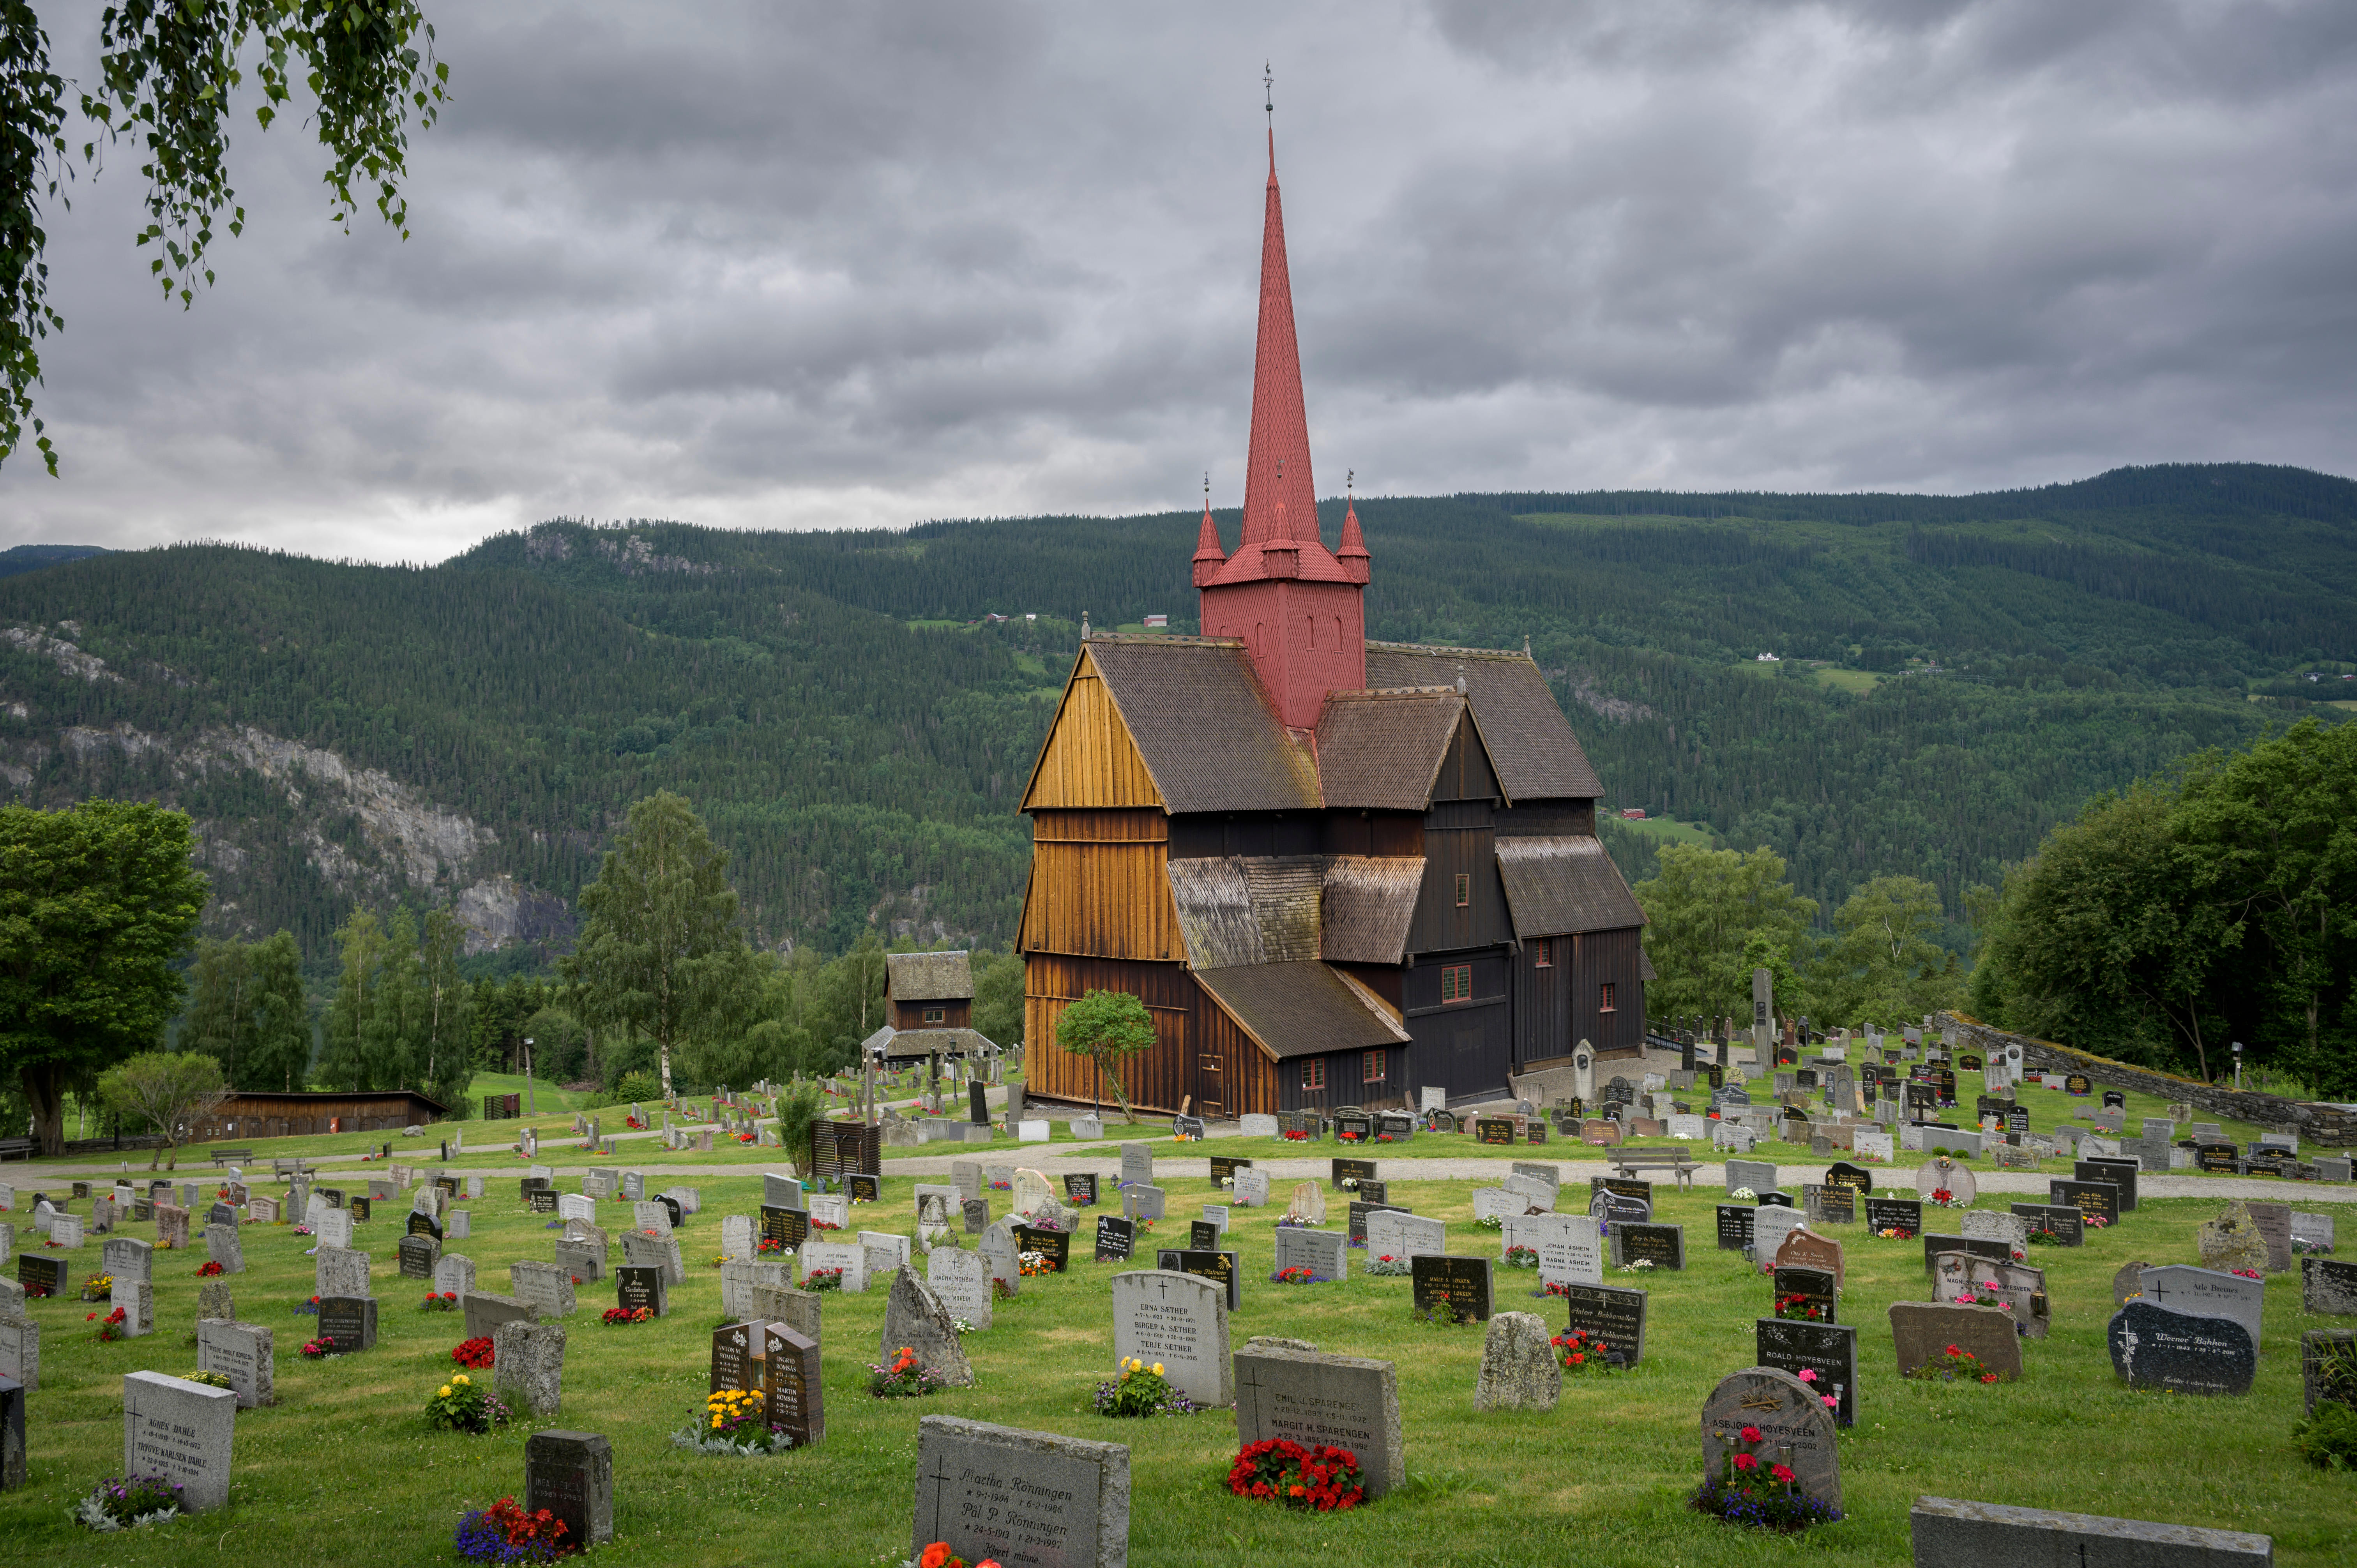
x,y
1335,871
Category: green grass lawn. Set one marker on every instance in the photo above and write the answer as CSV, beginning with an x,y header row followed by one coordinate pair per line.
x,y
343,1470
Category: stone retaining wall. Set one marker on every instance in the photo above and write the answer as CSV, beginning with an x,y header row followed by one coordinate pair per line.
x,y
2326,1125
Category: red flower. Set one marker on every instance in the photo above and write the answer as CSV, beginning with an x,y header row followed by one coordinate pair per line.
x,y
1746,1461
1750,1434
1782,1472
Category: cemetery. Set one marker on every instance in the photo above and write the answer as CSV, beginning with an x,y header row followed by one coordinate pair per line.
x,y
2147,1369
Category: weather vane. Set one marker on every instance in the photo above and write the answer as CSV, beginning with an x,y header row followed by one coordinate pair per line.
x,y
1268,86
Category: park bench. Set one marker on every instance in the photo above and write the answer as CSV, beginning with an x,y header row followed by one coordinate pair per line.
x,y
1629,1162
19,1148
224,1157
284,1168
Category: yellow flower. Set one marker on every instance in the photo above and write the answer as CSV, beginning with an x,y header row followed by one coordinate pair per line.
x,y
462,1380
1158,1368
444,1393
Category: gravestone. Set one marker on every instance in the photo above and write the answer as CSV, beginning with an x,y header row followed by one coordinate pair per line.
x,y
1137,1164
214,1300
1308,1205
2019,1289
1759,1176
1922,1331
1662,1246
1178,1321
1796,1429
1614,1315
794,1399
2274,1222
2063,1222
999,1254
2094,1199
338,1271
1143,1202
976,1213
2120,1173
1501,1203
1894,1214
1396,1233
1570,1249
485,1311
2232,1241
418,1255
915,1319
1219,1268
829,1256
1828,1349
548,1286
1769,1226
2327,1287
1734,1233
571,1474
20,1347
1989,1224
2181,1288
1323,1252
240,1352
962,1280
454,1274
1951,1534
181,1431
1518,1370
1451,1287
1021,1498
1310,1398
2181,1352
1116,1238
349,1321
1252,1190
639,1286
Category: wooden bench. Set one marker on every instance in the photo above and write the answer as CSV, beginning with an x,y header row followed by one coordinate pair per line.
x,y
283,1168
19,1148
1629,1162
224,1157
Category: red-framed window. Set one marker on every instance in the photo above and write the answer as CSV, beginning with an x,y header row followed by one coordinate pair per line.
x,y
1604,997
1456,983
1313,1073
1464,890
1372,1071
1543,953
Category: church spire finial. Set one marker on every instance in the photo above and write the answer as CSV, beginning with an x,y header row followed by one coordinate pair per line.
x,y
1352,552
1208,556
1268,92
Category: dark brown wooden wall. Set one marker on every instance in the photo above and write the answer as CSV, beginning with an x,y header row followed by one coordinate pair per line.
x,y
1231,1071
1464,1046
1614,956
1374,833
1458,838
955,1014
1209,835
1541,1002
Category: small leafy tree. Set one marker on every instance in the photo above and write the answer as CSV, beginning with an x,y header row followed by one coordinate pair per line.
x,y
1108,1027
800,1106
170,1090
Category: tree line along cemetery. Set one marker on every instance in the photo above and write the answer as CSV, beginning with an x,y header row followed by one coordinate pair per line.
x,y
1287,1334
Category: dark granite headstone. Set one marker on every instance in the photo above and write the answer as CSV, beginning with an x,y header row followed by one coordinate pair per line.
x,y
1828,1349
796,1398
1894,1214
1055,1246
1459,1287
1663,1246
1350,1171
1816,1288
2121,1173
1735,1222
1115,1239
638,1285
2181,1352
1616,1316
571,1474
350,1321
1218,1267
790,1228
2093,1199
1080,1186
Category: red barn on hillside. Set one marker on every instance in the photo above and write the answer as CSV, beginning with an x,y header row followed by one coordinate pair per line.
x,y
1336,871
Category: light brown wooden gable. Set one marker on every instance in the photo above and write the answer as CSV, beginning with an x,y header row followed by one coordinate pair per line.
x,y
1089,762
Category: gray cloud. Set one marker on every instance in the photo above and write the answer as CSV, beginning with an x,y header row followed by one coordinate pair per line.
x,y
811,265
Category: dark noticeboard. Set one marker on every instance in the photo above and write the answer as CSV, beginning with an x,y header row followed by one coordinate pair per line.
x,y
1458,1287
1494,1130
1219,1268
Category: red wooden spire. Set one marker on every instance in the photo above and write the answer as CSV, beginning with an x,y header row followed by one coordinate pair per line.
x,y
1208,556
1280,500
1297,609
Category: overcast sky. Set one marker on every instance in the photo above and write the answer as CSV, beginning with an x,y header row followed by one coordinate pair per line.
x,y
799,266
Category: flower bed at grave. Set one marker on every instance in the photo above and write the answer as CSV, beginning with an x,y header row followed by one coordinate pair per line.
x,y
1491,1223
447,1301
1030,1264
1641,1267
622,1316
2094,1222
1324,1479
2249,1273
110,1327
1896,1233
505,1533
98,1287
1522,1258
1809,1375
475,1352
824,1225
1744,1195
1944,1197
210,1380
903,1377
1555,1287
209,1269
822,1279
1295,1135
939,1555
1763,1495
124,1502
314,1350
1387,1265
1142,1391
1582,1351
1953,1366
734,1420
308,1308
460,1405
1801,1308
771,1246
1296,1275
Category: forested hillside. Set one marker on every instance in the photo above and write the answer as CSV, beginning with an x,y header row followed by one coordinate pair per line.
x,y
1955,675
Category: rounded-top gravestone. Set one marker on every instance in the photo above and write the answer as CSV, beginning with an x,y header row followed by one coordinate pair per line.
x,y
1940,1174
1794,1426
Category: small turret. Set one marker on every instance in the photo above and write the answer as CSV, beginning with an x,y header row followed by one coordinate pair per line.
x,y
1208,556
1353,552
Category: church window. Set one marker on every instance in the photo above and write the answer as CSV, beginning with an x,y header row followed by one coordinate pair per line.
x,y
1456,983
1604,997
1464,890
1313,1073
1543,954
1374,1070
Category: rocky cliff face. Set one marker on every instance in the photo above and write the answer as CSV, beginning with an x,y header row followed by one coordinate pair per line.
x,y
284,826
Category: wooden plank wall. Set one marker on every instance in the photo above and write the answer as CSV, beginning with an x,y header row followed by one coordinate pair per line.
x,y
1101,886
1541,1002
1089,760
1228,1068
1614,956
1159,1079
